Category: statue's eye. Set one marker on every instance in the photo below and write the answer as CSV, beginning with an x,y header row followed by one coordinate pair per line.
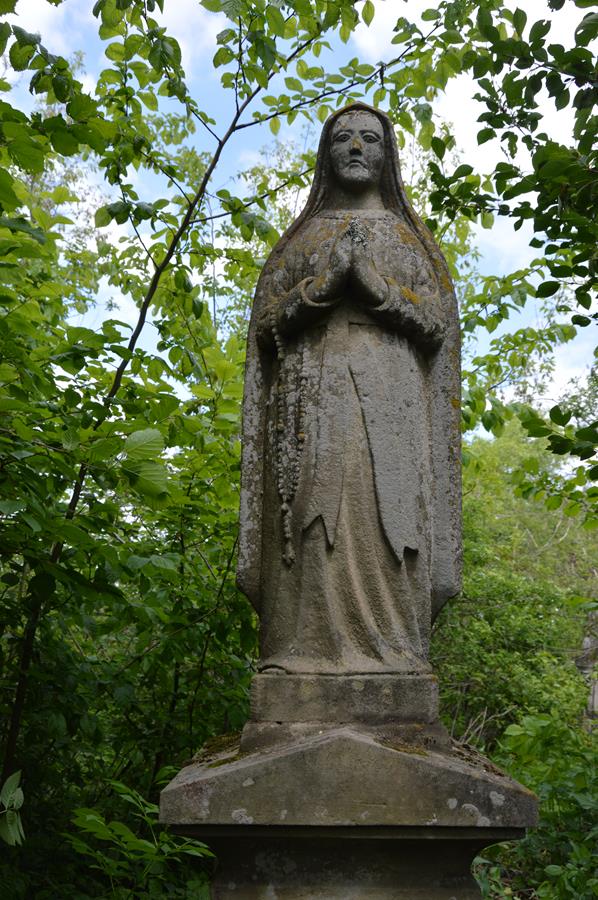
x,y
343,136
371,138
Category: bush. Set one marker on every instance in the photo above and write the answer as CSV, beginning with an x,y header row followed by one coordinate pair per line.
x,y
556,860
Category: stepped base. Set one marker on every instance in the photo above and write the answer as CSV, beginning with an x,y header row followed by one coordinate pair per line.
x,y
382,808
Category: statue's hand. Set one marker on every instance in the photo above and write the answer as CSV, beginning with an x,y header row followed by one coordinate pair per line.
x,y
310,299
330,284
370,286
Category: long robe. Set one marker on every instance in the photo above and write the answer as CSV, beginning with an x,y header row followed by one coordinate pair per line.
x,y
347,457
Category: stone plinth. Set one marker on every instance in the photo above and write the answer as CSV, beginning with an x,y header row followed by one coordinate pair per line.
x,y
346,812
353,698
284,709
347,863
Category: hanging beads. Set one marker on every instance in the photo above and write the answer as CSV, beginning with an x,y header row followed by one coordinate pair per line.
x,y
289,440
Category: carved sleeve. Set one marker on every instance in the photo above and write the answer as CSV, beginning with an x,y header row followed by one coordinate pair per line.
x,y
411,312
286,311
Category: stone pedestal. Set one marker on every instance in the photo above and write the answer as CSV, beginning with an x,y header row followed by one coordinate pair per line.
x,y
349,863
313,811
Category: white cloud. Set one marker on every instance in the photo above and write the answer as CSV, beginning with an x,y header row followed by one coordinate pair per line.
x,y
375,41
61,27
194,28
71,25
571,362
508,249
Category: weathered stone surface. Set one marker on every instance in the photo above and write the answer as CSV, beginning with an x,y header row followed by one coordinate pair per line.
x,y
348,864
340,699
350,500
346,777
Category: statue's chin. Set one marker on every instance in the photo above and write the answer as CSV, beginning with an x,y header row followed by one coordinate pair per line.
x,y
356,181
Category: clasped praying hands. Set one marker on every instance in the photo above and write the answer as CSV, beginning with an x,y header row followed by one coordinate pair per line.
x,y
349,270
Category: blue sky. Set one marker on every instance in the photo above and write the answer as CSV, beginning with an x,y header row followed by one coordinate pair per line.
x,y
71,26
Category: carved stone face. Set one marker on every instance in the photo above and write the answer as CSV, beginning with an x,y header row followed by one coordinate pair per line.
x,y
357,150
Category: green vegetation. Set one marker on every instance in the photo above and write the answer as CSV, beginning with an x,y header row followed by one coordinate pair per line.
x,y
124,644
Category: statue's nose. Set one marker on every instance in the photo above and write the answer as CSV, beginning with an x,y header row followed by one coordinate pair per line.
x,y
356,145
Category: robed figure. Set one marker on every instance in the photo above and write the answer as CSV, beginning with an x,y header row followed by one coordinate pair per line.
x,y
350,496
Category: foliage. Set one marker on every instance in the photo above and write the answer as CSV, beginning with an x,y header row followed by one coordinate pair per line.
x,y
11,798
556,860
507,646
137,866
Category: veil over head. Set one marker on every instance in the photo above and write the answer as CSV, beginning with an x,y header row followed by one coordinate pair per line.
x,y
392,189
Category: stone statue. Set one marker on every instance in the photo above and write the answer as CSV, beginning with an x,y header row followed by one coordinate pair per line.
x,y
344,782
350,501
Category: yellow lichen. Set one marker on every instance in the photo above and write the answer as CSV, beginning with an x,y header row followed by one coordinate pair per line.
x,y
407,235
403,747
410,295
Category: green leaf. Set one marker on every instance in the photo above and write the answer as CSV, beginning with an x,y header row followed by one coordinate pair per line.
x,y
25,37
183,281
115,52
558,416
61,85
486,134
519,20
149,99
438,146
7,6
18,224
5,33
485,25
167,563
64,142
9,787
102,217
275,20
20,55
8,198
462,171
368,12
145,444
28,155
513,730
547,288
587,29
539,30
589,433
151,479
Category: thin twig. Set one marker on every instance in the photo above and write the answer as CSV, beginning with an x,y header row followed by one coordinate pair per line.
x,y
197,115
153,161
256,199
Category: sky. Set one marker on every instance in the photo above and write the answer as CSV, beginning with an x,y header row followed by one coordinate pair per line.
x,y
71,26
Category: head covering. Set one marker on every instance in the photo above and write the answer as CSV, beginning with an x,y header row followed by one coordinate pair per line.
x,y
392,189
